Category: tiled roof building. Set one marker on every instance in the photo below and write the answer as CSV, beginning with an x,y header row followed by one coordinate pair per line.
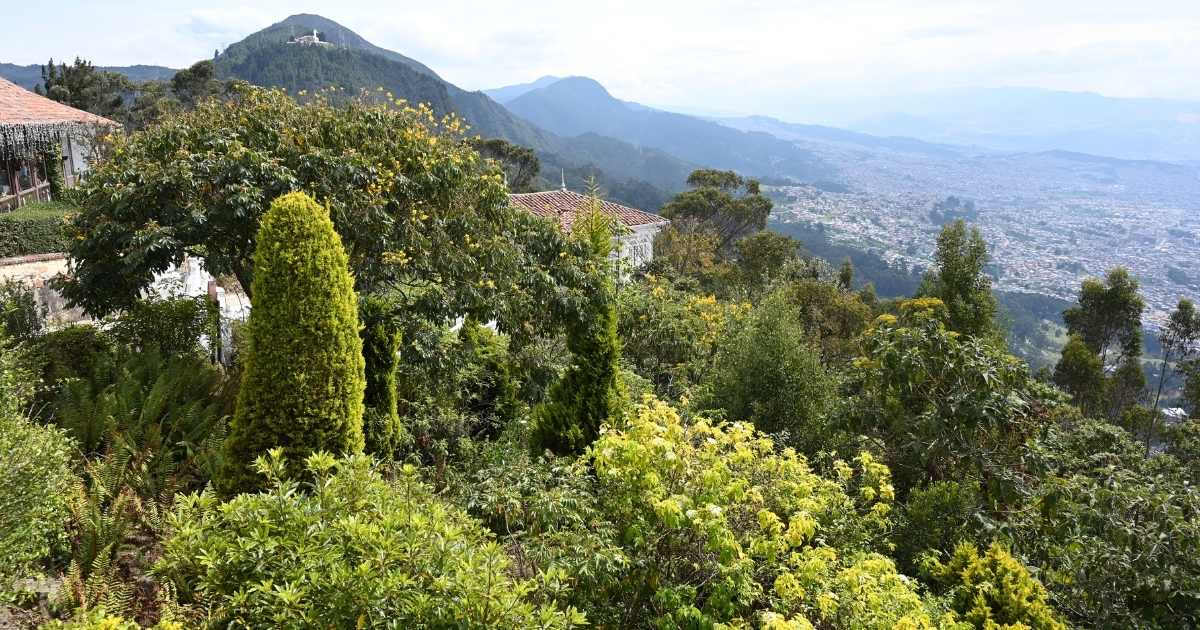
x,y
635,246
33,129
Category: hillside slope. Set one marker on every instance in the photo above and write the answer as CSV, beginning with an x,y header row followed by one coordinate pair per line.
x,y
265,58
578,105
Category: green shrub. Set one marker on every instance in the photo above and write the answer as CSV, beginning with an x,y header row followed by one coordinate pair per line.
x,y
349,551
34,229
718,525
35,480
383,434
489,394
22,318
994,591
171,326
547,514
303,379
768,371
669,335
589,393
936,517
454,385
75,351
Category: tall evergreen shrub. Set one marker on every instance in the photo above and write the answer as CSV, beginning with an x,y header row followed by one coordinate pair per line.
x,y
382,431
302,388
589,392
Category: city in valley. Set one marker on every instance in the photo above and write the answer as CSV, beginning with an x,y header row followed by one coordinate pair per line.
x,y
1050,219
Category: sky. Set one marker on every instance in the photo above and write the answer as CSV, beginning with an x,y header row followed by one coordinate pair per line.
x,y
716,57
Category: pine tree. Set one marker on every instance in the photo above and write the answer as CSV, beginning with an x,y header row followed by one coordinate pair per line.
x,y
302,389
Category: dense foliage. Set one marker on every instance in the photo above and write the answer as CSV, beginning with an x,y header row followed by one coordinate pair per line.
x,y
589,393
738,435
303,380
34,229
348,549
35,480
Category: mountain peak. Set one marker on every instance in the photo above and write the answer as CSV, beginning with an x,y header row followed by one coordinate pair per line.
x,y
332,32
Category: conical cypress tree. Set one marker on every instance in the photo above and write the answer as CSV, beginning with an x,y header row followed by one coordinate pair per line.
x,y
302,387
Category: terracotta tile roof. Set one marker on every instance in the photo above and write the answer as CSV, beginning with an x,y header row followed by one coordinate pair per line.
x,y
564,204
19,106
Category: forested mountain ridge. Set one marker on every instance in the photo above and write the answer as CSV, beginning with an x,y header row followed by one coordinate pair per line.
x,y
577,105
30,76
353,65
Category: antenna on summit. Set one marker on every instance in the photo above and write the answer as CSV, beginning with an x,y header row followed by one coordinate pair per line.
x,y
562,172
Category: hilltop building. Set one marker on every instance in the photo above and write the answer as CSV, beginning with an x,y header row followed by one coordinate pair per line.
x,y
635,245
33,130
309,40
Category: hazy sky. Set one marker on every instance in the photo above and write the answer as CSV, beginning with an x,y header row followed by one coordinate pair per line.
x,y
771,57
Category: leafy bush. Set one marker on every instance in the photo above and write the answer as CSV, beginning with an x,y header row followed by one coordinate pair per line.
x,y
712,517
23,319
936,517
547,515
768,371
303,380
75,351
170,326
349,550
453,386
994,590
1117,537
669,335
34,229
35,480
943,406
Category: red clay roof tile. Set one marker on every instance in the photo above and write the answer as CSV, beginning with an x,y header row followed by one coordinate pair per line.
x,y
19,106
565,204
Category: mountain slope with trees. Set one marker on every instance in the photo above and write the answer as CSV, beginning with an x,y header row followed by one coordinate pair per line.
x,y
578,105
351,64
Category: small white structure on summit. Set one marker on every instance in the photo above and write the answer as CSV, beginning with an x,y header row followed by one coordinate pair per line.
x,y
309,40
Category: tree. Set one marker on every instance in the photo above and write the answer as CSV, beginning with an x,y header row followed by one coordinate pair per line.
x,y
416,207
942,406
959,281
846,275
520,164
722,202
1109,315
1080,374
763,256
768,371
82,86
383,433
590,392
1178,340
303,382
196,83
